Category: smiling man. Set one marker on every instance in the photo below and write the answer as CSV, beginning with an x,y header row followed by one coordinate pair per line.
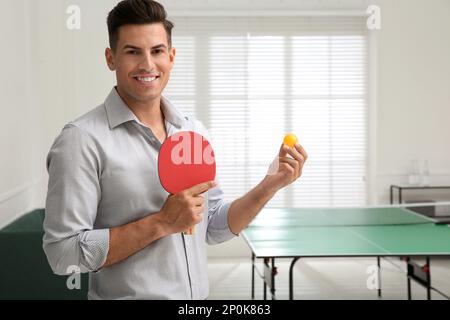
x,y
106,211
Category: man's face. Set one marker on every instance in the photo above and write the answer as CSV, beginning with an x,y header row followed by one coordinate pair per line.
x,y
142,61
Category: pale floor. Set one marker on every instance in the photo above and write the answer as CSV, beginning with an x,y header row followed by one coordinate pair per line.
x,y
324,278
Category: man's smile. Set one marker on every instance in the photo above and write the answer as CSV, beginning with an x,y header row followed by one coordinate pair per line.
x,y
146,80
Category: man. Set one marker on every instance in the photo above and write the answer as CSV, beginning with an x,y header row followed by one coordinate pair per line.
x,y
106,211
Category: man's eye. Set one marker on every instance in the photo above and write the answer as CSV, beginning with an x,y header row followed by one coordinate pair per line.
x,y
134,52
157,51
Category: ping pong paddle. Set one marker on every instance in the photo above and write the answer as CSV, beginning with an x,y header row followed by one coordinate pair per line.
x,y
185,159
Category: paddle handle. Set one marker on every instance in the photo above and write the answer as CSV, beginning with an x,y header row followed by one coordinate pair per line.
x,y
189,231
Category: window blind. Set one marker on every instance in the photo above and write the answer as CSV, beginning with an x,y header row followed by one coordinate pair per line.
x,y
251,80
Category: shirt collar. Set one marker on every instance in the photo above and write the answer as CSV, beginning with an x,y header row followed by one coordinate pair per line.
x,y
118,112
172,114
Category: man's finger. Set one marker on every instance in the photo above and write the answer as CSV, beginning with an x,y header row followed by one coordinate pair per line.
x,y
200,188
283,150
300,149
296,155
198,200
292,163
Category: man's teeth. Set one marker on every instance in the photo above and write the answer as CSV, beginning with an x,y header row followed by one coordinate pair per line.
x,y
147,79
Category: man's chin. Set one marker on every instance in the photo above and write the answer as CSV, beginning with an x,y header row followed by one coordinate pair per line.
x,y
145,97
139,96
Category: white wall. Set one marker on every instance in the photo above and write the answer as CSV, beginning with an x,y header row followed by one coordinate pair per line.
x,y
413,91
17,178
53,75
70,68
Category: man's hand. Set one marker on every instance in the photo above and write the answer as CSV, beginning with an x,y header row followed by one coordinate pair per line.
x,y
179,212
184,209
284,170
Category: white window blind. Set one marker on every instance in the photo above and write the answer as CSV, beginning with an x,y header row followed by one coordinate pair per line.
x,y
251,80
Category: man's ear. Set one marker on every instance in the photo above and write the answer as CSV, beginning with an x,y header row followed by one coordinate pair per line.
x,y
172,53
109,55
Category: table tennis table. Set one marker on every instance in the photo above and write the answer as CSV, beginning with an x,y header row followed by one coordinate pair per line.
x,y
379,232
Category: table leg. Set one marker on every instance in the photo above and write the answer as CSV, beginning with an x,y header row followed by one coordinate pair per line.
x,y
291,278
379,276
264,280
274,272
408,280
428,273
253,276
265,291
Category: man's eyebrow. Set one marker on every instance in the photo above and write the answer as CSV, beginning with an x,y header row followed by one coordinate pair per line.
x,y
158,46
129,46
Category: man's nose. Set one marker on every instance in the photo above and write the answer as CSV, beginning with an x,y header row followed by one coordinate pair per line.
x,y
147,62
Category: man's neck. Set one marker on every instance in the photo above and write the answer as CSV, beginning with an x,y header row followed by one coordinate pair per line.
x,y
149,112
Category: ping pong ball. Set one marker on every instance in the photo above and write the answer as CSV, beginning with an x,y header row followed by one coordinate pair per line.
x,y
290,140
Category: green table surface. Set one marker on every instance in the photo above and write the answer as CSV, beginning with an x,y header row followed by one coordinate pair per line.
x,y
24,269
334,232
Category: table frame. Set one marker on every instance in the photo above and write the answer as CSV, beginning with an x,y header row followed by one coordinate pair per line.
x,y
401,188
419,274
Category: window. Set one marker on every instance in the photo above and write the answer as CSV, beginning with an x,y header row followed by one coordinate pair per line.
x,y
251,80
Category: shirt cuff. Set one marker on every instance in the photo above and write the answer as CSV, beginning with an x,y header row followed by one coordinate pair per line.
x,y
219,229
94,247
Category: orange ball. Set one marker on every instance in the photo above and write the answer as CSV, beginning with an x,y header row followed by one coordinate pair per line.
x,y
290,140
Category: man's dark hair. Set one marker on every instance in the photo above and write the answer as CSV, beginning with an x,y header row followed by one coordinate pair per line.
x,y
136,12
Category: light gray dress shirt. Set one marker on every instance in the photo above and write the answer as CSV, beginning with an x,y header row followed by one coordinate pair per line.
x,y
102,174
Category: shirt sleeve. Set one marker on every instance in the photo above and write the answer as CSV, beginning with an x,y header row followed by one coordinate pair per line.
x,y
71,206
218,229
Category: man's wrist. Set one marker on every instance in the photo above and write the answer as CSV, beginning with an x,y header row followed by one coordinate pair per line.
x,y
266,188
163,227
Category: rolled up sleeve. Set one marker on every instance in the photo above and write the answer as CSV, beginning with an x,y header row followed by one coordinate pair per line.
x,y
218,228
70,238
